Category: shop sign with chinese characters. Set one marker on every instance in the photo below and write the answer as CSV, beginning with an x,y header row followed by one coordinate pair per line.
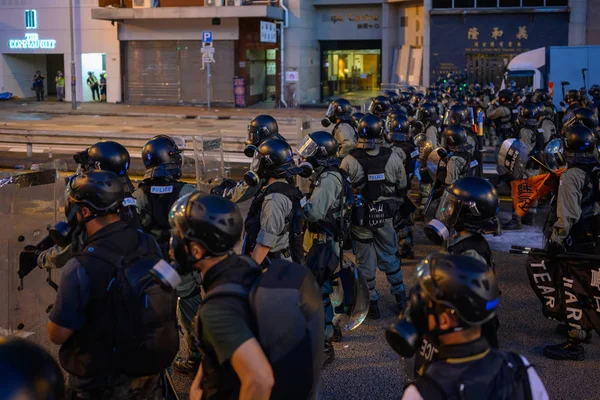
x,y
496,41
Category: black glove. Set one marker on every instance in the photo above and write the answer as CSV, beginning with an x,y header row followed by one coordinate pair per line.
x,y
553,249
220,189
28,260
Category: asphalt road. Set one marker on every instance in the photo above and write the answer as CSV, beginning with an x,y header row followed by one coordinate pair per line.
x,y
365,367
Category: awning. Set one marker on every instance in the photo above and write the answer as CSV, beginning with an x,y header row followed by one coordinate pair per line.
x,y
251,11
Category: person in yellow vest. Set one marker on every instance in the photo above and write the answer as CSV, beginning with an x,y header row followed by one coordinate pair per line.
x,y
60,86
92,82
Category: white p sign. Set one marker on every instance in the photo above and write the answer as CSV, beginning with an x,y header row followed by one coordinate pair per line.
x,y
207,36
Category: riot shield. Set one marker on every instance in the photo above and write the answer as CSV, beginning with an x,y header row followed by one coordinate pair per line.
x,y
210,162
350,297
512,158
30,202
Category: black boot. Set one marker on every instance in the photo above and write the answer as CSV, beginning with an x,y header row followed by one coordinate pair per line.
x,y
513,225
407,252
329,355
374,310
186,366
564,329
571,350
401,301
337,334
527,219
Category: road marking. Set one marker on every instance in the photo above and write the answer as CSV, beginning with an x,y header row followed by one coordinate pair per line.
x,y
16,333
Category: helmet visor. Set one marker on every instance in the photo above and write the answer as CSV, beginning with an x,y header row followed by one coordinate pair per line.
x,y
255,163
331,110
307,148
448,210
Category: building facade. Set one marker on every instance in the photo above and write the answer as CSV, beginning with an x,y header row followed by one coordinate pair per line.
x,y
34,35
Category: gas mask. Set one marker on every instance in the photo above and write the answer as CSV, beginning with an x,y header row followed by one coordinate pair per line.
x,y
437,232
307,169
404,336
326,122
249,151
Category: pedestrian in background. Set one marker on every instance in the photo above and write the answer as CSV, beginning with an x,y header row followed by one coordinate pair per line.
x,y
103,87
60,86
92,82
38,85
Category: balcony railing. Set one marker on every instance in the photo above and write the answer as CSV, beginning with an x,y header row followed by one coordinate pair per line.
x,y
186,3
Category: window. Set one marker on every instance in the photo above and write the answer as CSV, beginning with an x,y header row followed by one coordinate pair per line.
x,y
30,19
533,3
464,3
510,3
442,4
487,3
557,3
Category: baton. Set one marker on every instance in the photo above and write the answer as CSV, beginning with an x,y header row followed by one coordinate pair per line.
x,y
542,165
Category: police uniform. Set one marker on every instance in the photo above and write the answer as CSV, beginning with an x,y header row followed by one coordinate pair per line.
x,y
532,139
154,198
270,219
345,135
404,224
456,167
432,134
321,212
549,129
242,192
377,247
503,118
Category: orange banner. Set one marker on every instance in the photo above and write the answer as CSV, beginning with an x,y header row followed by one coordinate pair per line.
x,y
527,191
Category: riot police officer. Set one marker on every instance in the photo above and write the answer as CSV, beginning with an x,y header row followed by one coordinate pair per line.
x,y
453,297
398,131
577,209
260,128
457,162
547,118
379,180
29,372
395,101
586,117
595,93
459,114
356,119
273,226
504,115
428,116
323,212
572,102
103,156
155,196
340,114
380,106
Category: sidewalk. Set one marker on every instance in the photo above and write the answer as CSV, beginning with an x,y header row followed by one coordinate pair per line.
x,y
158,111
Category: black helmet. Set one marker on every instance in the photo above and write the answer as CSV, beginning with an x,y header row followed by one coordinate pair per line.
x,y
580,145
458,114
162,158
392,97
430,99
273,158
100,191
427,112
505,96
403,97
28,372
370,131
412,90
398,128
584,116
212,221
455,137
319,149
260,129
553,155
470,201
417,99
529,114
461,283
356,117
380,106
595,92
105,156
572,96
339,110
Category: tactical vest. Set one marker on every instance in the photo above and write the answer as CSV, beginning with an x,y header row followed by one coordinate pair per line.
x,y
331,225
586,230
506,124
374,173
293,222
497,375
473,241
161,195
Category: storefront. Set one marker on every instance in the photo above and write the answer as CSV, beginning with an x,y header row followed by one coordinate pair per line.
x,y
350,41
482,45
36,38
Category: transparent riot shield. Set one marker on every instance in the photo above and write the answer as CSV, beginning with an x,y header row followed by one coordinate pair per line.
x,y
350,297
30,202
210,162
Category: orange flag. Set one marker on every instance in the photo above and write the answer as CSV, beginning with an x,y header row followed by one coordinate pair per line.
x,y
527,191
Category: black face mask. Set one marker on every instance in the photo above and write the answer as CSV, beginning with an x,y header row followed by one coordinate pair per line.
x,y
169,275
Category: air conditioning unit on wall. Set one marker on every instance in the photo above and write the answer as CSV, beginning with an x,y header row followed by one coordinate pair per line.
x,y
142,3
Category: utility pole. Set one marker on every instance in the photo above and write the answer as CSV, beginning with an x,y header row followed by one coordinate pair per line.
x,y
73,69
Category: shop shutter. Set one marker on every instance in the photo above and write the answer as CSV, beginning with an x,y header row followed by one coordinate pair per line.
x,y
193,77
152,72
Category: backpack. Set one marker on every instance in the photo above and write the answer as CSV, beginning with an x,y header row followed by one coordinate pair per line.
x,y
287,293
506,377
146,338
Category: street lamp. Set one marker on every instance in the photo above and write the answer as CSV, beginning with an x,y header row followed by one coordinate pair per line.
x,y
73,69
